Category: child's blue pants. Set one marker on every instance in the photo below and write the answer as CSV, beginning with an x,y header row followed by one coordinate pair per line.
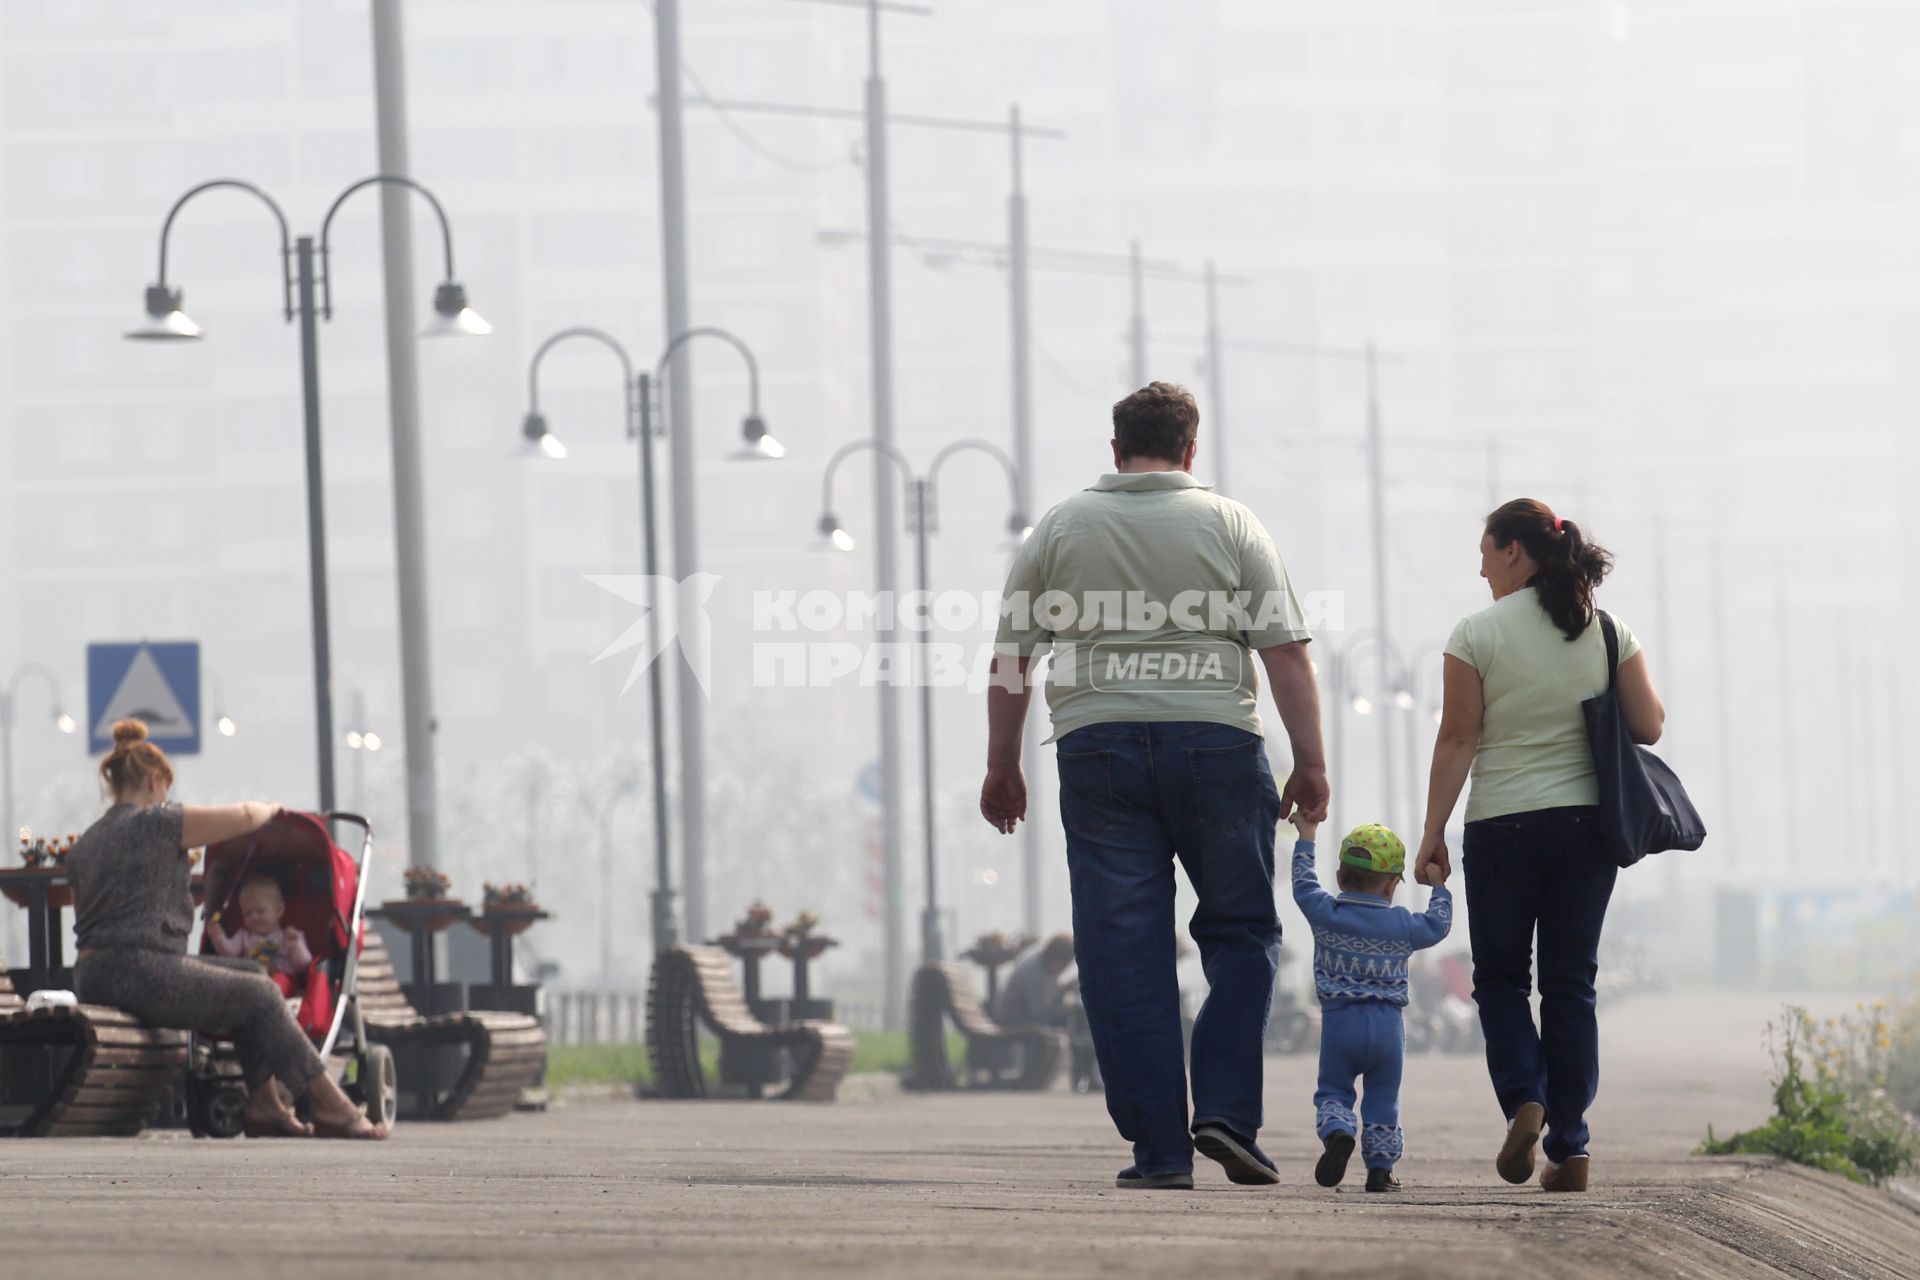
x,y
1364,1040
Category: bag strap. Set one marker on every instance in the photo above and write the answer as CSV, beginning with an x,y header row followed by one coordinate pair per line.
x,y
1613,647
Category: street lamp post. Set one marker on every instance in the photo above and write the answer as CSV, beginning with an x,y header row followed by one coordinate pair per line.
x,y
637,390
221,720
363,742
922,518
301,279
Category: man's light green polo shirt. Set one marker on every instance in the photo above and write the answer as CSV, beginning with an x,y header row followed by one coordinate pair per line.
x,y
1151,591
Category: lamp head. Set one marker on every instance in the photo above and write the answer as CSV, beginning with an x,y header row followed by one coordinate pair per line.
x,y
165,321
1403,699
452,317
757,443
226,726
539,439
1019,526
830,529
64,722
1362,706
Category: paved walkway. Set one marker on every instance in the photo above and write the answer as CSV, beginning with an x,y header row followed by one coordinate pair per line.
x,y
974,1186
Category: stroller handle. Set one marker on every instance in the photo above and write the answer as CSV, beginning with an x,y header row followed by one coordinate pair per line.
x,y
337,815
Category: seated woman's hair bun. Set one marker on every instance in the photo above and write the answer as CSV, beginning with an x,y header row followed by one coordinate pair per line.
x,y
126,732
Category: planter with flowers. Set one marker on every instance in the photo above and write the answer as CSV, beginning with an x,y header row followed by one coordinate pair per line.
x,y
428,903
509,908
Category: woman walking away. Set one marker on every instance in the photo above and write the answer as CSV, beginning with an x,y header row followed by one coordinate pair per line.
x,y
1516,674
133,910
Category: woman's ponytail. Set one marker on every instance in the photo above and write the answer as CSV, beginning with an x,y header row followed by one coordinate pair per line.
x,y
1569,565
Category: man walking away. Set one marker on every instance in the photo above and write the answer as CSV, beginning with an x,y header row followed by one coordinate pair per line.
x,y
1153,594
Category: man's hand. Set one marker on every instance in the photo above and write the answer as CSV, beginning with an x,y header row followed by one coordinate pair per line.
x,y
1003,799
1434,864
1306,794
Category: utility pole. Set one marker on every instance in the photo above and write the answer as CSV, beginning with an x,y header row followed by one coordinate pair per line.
x,y
1216,383
1789,774
1376,483
1020,301
403,407
686,526
1723,702
1137,326
886,542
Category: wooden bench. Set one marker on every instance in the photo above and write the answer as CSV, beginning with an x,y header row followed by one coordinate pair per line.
x,y
505,1052
694,985
941,992
117,1075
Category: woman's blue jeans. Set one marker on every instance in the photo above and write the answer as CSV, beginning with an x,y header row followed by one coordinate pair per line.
x,y
1133,797
1544,872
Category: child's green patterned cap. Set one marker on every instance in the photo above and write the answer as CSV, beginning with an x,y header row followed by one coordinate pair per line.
x,y
1374,848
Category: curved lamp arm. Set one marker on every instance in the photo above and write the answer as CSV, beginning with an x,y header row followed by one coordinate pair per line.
x,y
990,449
601,336
727,336
40,669
846,451
286,240
326,229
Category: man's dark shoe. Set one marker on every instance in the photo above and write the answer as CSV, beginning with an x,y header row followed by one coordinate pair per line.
x,y
1131,1179
1242,1158
1382,1180
1333,1161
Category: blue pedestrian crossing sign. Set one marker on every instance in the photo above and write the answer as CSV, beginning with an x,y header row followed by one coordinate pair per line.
x,y
154,681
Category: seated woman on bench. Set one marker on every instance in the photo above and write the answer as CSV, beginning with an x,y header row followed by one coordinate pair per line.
x,y
133,910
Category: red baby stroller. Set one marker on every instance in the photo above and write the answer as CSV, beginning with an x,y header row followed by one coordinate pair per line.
x,y
325,892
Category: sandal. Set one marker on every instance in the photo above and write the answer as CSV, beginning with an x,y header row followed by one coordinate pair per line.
x,y
285,1125
352,1131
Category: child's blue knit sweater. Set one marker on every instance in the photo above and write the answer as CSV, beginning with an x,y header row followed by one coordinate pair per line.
x,y
1361,941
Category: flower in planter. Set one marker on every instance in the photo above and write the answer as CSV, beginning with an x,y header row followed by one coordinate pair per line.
x,y
757,923
498,896
426,882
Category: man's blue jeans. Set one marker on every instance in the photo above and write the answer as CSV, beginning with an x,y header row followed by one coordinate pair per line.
x,y
1133,797
1548,872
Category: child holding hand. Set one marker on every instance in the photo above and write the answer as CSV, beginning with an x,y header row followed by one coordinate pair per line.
x,y
1361,944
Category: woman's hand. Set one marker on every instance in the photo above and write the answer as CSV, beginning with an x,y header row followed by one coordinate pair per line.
x,y
1003,798
1434,864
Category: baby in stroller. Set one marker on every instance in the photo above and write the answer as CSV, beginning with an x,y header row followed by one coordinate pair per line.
x,y
283,953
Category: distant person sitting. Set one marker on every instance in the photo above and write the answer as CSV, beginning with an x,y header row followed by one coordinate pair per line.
x,y
1033,995
282,954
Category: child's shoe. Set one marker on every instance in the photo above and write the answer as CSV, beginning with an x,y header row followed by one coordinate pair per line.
x,y
1571,1176
1382,1180
1333,1161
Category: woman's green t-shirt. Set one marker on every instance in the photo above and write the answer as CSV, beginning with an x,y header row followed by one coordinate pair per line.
x,y
1533,739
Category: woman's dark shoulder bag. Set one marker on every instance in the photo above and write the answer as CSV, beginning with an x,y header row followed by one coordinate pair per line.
x,y
1643,807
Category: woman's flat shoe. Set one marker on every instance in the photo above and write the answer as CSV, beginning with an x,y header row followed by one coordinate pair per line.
x,y
1515,1161
1570,1176
286,1126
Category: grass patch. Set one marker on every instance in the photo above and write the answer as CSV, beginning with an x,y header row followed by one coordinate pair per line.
x,y
1831,1108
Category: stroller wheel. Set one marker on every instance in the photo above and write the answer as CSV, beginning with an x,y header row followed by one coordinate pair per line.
x,y
377,1086
215,1108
